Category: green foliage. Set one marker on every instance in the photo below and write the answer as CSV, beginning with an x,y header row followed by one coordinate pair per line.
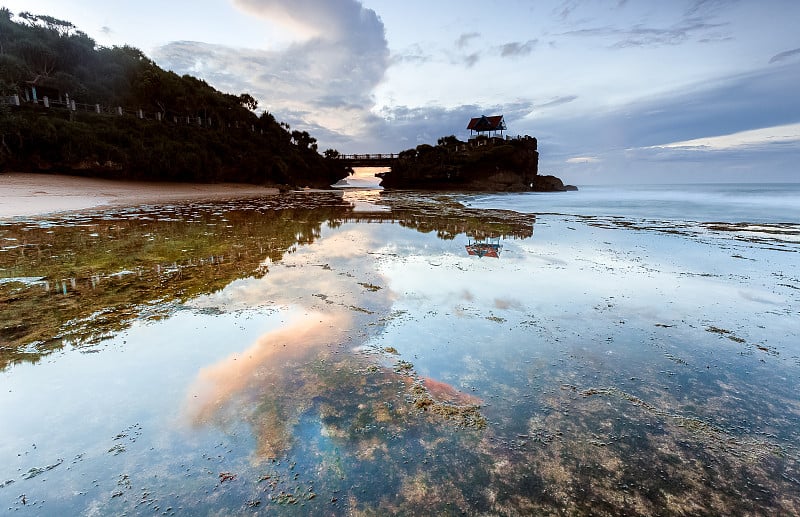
x,y
231,144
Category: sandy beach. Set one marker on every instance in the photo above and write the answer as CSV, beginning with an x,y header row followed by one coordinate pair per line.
x,y
27,194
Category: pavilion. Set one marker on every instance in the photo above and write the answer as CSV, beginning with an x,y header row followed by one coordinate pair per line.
x,y
486,124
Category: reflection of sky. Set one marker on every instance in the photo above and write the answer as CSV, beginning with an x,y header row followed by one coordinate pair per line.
x,y
575,301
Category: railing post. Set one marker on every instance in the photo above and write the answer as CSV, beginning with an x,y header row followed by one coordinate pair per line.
x,y
140,114
158,116
119,110
46,101
72,105
15,100
97,108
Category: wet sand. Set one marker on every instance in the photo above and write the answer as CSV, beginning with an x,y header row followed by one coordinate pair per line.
x,y
27,194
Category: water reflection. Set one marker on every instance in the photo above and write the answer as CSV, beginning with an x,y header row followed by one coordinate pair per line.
x,y
101,272
480,248
248,378
361,362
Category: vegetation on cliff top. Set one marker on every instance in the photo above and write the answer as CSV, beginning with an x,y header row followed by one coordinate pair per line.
x,y
202,134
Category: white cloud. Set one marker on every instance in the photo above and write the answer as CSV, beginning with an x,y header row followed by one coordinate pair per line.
x,y
583,159
323,79
785,134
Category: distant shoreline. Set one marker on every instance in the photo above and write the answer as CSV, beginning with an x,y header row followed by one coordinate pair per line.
x,y
35,194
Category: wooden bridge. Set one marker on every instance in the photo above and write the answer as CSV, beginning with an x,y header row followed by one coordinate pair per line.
x,y
368,160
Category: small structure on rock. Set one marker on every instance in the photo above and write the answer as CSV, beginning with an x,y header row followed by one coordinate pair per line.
x,y
484,124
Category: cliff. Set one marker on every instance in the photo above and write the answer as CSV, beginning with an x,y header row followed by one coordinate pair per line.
x,y
69,105
482,164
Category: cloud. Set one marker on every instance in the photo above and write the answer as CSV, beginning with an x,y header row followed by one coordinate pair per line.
x,y
707,7
739,128
763,137
517,48
466,38
406,127
695,23
784,55
471,59
645,36
324,78
413,54
557,101
743,102
566,8
584,159
642,36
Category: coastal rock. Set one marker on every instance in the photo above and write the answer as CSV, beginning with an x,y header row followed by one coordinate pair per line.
x,y
550,184
482,164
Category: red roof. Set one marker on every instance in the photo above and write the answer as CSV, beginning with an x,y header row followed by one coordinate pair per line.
x,y
483,250
484,123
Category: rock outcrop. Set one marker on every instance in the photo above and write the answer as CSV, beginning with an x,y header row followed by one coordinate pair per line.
x,y
482,164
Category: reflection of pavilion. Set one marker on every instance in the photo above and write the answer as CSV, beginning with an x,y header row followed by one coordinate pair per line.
x,y
489,247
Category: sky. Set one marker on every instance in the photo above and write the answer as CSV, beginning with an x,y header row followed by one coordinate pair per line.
x,y
614,90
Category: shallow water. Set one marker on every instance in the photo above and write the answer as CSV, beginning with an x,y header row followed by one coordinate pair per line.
x,y
345,354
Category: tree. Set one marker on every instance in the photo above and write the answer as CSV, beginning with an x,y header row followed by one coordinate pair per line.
x,y
448,140
304,141
247,101
60,27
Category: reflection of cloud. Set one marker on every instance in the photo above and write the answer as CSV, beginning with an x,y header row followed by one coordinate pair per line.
x,y
247,374
507,303
290,281
216,384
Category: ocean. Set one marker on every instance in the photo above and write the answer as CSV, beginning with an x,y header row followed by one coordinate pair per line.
x,y
718,202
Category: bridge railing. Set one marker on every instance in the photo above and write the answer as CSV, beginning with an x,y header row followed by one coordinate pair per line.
x,y
365,157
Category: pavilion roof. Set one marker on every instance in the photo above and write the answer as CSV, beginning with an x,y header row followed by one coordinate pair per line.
x,y
484,123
